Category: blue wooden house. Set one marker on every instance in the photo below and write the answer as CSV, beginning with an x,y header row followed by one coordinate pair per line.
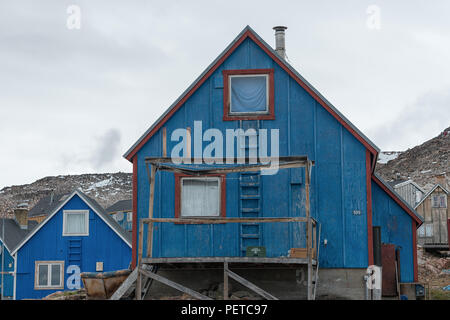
x,y
11,233
77,236
251,86
122,212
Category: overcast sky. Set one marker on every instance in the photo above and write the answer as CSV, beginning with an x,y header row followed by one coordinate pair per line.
x,y
74,100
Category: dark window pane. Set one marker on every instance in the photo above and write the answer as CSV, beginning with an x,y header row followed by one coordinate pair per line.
x,y
43,274
56,275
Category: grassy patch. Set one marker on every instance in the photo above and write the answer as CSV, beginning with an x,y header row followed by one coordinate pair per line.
x,y
439,294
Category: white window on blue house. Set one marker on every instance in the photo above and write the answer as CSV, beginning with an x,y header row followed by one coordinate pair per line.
x,y
200,197
75,222
249,94
49,275
129,216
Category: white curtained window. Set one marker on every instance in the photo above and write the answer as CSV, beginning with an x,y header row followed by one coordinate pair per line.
x,y
249,94
200,197
76,222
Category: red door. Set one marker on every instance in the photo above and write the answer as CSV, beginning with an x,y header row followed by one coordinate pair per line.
x,y
389,284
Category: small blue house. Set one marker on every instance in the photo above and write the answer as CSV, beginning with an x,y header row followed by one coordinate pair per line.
x,y
251,87
77,236
122,212
11,233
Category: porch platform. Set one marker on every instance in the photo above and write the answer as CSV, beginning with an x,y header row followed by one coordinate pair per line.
x,y
221,260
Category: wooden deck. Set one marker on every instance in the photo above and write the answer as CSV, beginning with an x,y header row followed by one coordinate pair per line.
x,y
240,260
146,260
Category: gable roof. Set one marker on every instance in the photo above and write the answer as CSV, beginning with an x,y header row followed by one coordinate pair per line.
x,y
403,182
393,183
397,198
13,232
248,32
429,193
121,205
46,204
123,234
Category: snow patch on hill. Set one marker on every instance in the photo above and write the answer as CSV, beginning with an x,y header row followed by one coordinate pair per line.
x,y
386,156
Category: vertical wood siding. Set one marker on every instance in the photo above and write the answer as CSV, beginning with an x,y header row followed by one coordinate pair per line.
x,y
48,244
338,190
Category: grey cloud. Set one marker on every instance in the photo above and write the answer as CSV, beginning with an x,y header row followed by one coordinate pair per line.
x,y
423,119
104,150
107,149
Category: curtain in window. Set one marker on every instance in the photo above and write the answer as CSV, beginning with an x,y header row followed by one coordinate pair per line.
x,y
200,197
76,223
248,94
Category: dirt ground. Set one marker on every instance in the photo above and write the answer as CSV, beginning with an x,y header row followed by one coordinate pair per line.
x,y
434,273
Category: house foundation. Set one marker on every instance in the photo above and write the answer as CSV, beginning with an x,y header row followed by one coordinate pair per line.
x,y
284,283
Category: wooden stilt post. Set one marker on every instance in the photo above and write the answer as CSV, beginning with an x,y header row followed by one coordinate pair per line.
x,y
150,212
308,229
138,289
225,281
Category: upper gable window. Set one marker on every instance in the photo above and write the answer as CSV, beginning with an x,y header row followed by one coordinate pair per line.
x,y
248,94
76,223
439,201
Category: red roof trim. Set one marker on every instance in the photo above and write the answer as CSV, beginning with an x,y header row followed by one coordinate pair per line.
x,y
249,34
369,209
397,200
414,235
313,94
187,96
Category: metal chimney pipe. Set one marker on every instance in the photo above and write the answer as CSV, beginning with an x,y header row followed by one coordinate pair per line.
x,y
280,46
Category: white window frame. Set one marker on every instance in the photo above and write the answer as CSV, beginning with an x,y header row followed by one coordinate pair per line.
x,y
266,75
49,280
219,198
67,212
129,216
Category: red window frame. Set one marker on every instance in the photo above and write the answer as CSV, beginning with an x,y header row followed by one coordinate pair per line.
x,y
226,95
223,188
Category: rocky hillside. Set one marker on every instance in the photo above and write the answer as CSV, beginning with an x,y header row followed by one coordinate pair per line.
x,y
421,163
106,188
